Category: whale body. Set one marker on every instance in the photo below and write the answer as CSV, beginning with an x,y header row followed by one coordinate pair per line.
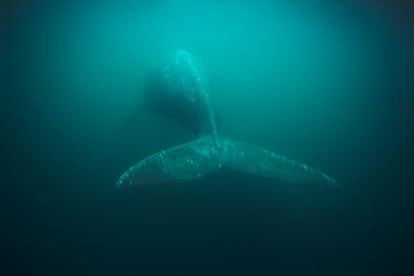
x,y
176,90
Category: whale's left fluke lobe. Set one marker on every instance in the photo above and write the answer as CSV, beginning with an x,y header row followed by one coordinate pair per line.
x,y
183,163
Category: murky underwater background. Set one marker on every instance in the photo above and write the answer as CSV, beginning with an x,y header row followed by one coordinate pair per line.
x,y
329,83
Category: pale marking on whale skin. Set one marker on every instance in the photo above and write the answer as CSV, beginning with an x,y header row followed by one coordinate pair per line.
x,y
181,85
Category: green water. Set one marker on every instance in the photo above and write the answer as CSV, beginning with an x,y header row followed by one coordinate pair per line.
x,y
327,83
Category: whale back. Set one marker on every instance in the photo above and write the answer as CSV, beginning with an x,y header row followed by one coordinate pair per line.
x,y
177,90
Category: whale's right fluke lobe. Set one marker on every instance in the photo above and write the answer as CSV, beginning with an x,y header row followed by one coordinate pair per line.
x,y
255,160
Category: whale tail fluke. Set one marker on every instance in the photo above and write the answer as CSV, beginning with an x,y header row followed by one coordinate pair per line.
x,y
205,156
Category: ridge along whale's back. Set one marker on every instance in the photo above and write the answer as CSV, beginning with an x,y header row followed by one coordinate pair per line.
x,y
176,90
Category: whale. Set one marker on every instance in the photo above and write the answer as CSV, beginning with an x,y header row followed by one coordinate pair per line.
x,y
176,90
